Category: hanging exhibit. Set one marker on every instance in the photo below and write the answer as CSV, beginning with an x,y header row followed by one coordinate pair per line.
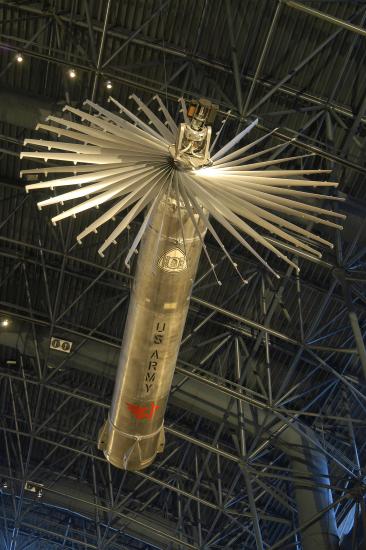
x,y
147,162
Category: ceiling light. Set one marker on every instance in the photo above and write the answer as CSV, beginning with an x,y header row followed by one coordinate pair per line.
x,y
109,85
72,73
5,322
19,57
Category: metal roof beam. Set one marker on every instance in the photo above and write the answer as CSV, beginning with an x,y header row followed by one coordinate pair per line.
x,y
262,56
325,17
147,87
83,500
170,50
233,316
234,55
139,473
256,467
108,269
299,66
193,372
135,33
101,50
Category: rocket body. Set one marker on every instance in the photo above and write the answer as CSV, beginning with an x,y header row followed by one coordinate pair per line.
x,y
166,269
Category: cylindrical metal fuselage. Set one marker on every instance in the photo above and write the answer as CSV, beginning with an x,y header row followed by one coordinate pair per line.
x,y
166,269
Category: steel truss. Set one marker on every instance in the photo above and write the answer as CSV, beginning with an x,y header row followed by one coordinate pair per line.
x,y
216,486
205,489
94,30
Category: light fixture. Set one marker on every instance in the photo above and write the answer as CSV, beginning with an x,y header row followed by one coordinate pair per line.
x,y
109,85
72,73
4,322
4,484
19,57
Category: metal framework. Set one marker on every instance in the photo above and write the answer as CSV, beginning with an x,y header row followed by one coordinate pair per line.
x,y
293,349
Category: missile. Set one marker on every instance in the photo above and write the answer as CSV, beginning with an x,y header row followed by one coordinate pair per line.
x,y
166,269
169,172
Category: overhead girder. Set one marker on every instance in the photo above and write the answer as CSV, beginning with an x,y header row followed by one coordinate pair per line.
x,y
199,401
282,135
215,407
354,208
105,359
70,493
180,54
254,332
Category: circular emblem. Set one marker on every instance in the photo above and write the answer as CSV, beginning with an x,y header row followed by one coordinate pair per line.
x,y
173,261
